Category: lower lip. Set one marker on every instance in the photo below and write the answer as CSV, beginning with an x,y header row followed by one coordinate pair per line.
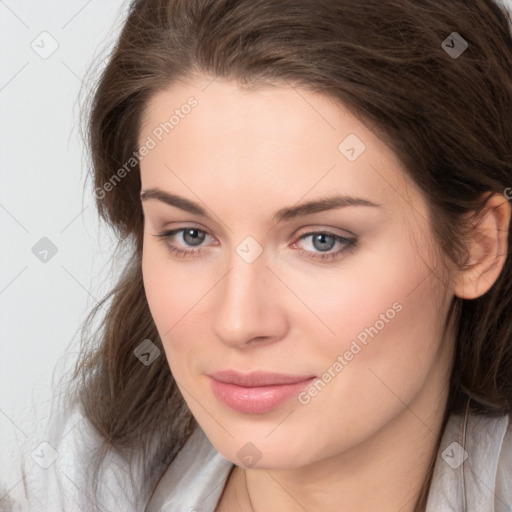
x,y
256,400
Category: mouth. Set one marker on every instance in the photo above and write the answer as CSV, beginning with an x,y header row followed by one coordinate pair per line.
x,y
257,392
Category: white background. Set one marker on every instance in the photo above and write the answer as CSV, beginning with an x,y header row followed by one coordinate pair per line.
x,y
44,193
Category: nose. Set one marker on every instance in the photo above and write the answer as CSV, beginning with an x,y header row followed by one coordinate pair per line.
x,y
247,306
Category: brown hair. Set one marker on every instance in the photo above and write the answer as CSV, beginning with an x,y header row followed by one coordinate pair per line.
x,y
448,119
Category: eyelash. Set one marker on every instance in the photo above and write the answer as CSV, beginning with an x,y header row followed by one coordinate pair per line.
x,y
349,244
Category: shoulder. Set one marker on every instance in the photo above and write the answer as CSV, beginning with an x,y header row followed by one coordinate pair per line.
x,y
194,480
53,471
473,466
504,473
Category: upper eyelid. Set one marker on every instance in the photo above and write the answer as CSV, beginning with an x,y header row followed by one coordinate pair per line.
x,y
314,227
297,220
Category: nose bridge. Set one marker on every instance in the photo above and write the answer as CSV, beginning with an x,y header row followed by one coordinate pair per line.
x,y
244,307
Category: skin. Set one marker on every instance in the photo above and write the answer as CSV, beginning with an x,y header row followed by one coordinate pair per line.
x,y
365,440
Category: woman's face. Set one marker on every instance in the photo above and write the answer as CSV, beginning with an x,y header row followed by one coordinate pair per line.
x,y
343,300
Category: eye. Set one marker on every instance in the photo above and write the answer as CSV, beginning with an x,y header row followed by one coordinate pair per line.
x,y
324,242
191,236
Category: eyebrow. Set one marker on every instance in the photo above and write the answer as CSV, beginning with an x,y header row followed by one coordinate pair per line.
x,y
284,214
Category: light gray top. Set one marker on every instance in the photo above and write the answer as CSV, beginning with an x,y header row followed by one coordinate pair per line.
x,y
195,479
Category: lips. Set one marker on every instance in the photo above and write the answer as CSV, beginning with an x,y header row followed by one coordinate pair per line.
x,y
257,392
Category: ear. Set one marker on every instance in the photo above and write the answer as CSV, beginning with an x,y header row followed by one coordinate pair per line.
x,y
487,249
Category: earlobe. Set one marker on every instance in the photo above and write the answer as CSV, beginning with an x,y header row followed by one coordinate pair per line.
x,y
487,249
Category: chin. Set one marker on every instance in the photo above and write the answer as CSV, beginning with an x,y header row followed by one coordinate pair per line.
x,y
252,450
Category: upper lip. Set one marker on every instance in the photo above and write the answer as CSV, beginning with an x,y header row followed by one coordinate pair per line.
x,y
258,378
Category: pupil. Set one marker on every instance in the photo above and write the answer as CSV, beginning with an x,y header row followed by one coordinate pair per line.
x,y
321,238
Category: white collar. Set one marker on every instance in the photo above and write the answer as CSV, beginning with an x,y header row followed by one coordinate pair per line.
x,y
474,466
195,479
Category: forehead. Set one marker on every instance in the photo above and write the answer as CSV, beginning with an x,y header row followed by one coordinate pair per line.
x,y
281,139
273,115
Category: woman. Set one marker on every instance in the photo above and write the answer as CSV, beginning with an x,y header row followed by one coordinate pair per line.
x,y
316,313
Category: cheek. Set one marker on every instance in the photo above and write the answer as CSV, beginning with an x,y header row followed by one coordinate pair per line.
x,y
384,311
372,369
389,327
170,288
174,296
368,293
